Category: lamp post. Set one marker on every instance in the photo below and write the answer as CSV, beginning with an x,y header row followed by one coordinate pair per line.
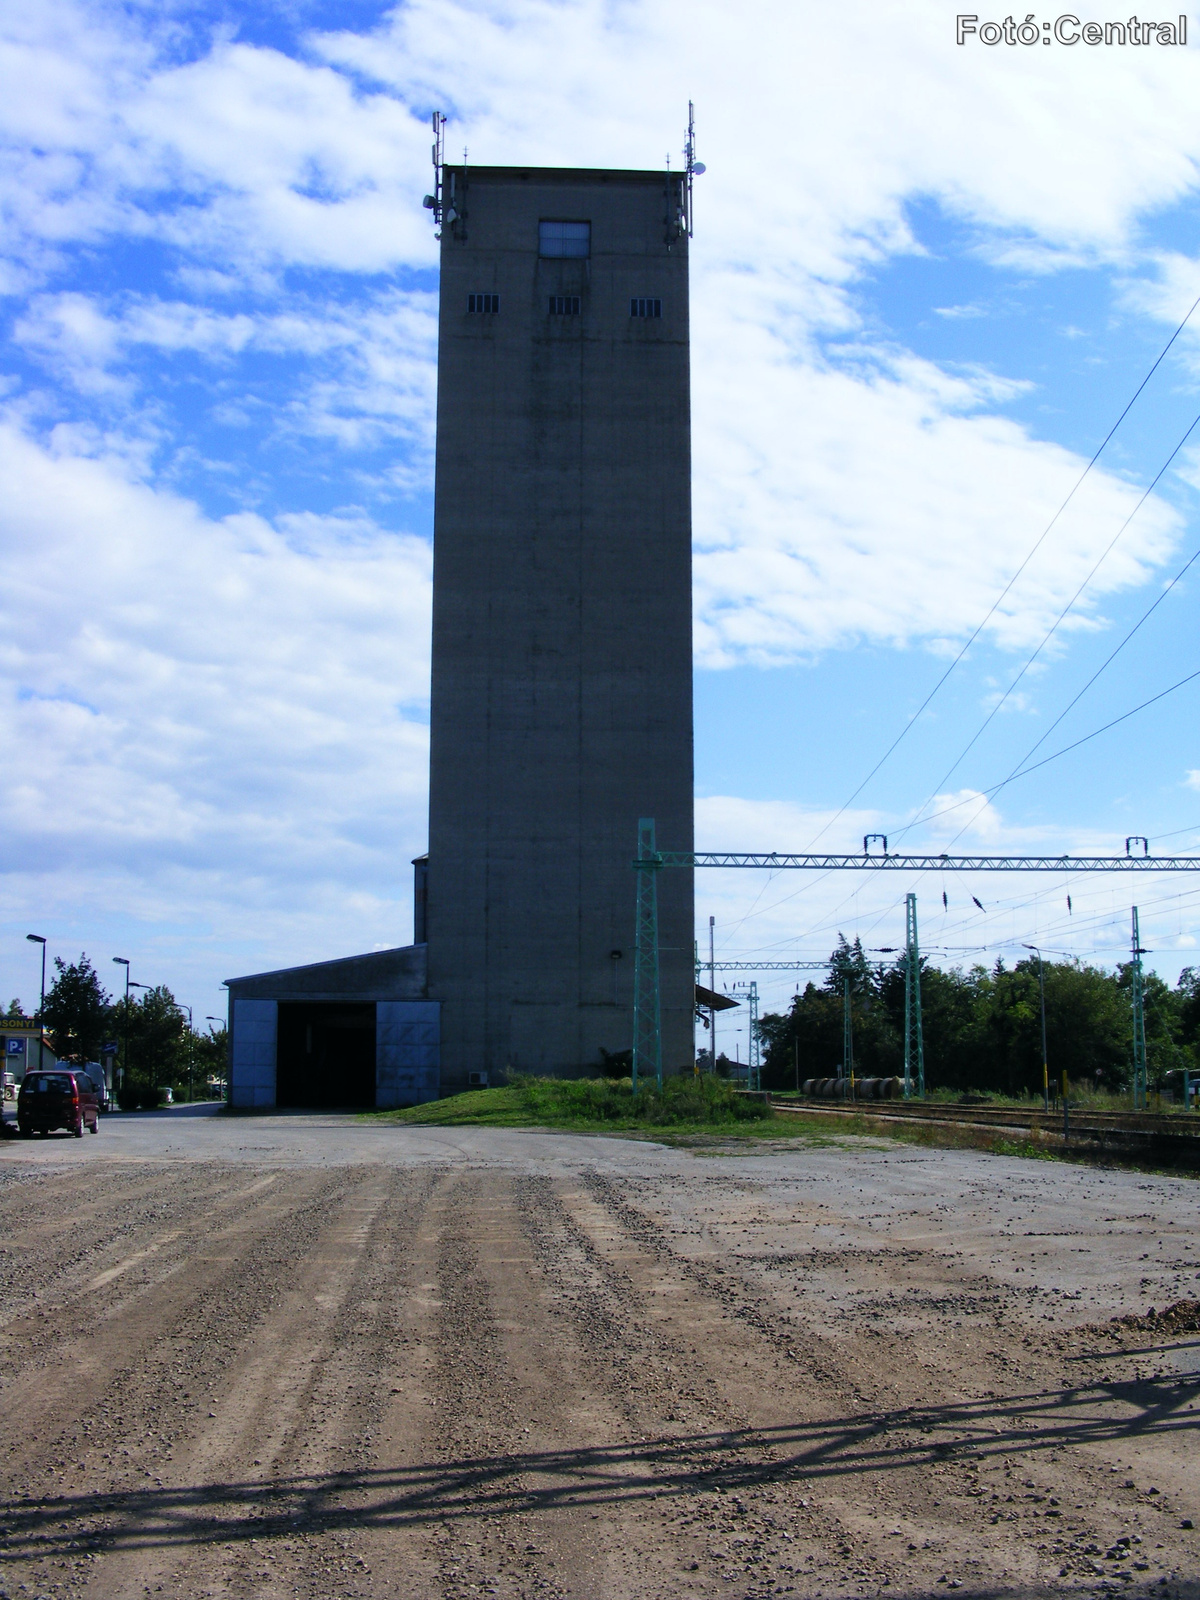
x,y
36,938
191,1052
121,961
220,1022
1042,990
156,1071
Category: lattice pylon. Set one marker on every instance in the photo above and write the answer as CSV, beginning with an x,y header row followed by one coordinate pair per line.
x,y
1140,1085
914,1034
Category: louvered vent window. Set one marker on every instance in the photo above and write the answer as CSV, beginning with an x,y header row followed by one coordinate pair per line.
x,y
645,308
557,239
564,305
483,302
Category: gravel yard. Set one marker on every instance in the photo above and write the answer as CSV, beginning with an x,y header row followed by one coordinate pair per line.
x,y
321,1357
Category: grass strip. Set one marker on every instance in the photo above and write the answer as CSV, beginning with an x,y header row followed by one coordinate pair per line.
x,y
703,1103
704,1113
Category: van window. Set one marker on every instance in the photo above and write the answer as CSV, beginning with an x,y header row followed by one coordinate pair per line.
x,y
48,1083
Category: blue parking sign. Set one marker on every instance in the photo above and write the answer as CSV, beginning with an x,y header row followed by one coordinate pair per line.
x,y
16,1047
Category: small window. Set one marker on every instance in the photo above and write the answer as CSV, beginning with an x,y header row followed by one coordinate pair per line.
x,y
645,308
564,239
483,302
564,305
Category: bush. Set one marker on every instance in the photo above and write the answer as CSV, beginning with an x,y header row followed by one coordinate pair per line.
x,y
686,1098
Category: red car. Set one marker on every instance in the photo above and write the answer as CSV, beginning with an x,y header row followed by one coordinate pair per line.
x,y
64,1098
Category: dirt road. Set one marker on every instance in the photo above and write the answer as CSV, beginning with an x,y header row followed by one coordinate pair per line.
x,y
315,1357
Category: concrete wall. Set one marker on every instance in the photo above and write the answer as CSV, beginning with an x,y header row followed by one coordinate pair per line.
x,y
562,662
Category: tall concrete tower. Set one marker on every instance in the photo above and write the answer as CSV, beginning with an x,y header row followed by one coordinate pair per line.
x,y
562,647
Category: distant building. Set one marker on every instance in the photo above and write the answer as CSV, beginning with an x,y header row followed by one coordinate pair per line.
x,y
19,1043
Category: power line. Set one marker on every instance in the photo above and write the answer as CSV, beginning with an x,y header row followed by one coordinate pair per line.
x,y
990,794
1104,665
1054,626
1004,593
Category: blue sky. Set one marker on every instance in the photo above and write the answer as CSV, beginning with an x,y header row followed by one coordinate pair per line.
x,y
926,281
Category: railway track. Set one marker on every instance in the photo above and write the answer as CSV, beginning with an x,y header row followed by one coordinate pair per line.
x,y
1160,1140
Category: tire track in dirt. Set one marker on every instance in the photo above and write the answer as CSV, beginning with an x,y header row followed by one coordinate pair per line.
x,y
442,1382
340,1526
651,1333
52,1238
77,1337
936,1505
254,1477
155,1364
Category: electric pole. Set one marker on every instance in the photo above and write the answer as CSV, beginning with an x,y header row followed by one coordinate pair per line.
x,y
1140,1086
914,1033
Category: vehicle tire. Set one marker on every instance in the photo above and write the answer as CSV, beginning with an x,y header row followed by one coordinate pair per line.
x,y
95,1127
77,1130
25,1130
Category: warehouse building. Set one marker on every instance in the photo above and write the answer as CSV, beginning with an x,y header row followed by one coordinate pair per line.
x,y
357,1032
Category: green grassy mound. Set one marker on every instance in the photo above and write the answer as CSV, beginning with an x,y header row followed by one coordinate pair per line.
x,y
691,1102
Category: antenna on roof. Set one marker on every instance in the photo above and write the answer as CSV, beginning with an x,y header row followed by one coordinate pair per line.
x,y
433,202
694,168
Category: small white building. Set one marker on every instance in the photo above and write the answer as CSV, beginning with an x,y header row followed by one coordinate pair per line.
x,y
20,1043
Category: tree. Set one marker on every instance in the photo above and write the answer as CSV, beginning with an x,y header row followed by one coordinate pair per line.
x,y
153,1031
1166,1015
809,1039
212,1056
78,1010
982,1028
1188,992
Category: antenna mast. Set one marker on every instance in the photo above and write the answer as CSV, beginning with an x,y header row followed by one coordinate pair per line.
x,y
433,202
692,167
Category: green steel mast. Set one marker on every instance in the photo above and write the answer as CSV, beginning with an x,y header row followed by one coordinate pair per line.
x,y
914,1036
647,1022
1140,1096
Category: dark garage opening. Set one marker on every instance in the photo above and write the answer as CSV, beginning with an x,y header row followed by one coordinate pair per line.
x,y
325,1055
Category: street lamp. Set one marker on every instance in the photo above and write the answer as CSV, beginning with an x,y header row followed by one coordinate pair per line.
x,y
36,938
1042,988
147,986
220,1021
121,961
191,1051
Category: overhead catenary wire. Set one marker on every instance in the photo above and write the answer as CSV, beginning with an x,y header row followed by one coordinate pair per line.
x,y
1048,635
1023,772
1004,593
1109,659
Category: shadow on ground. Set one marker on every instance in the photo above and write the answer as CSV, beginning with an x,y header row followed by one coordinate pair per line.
x,y
531,1481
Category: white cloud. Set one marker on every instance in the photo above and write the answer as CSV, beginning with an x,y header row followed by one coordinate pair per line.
x,y
369,371
834,507
728,822
1193,779
230,705
875,499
